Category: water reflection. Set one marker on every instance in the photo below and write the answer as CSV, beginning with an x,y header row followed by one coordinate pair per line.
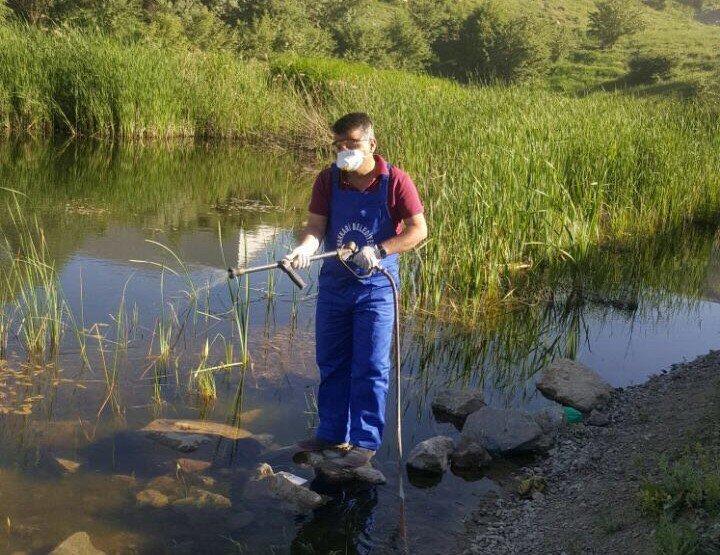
x,y
626,311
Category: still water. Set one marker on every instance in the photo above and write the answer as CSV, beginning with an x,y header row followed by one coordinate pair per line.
x,y
140,236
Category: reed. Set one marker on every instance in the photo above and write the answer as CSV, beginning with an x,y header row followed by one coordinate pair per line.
x,y
518,180
87,84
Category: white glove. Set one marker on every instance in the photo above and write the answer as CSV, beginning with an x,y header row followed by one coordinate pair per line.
x,y
299,257
367,258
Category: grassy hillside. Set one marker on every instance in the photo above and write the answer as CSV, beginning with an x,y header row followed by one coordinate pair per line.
x,y
676,29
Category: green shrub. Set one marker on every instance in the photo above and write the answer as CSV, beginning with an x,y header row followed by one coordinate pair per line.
x,y
675,538
613,19
649,67
495,46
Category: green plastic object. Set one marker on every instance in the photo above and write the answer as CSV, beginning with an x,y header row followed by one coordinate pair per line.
x,y
573,416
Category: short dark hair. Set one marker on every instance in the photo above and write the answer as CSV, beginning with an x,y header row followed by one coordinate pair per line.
x,y
355,120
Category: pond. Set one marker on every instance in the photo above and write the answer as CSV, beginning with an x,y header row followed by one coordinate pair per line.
x,y
139,238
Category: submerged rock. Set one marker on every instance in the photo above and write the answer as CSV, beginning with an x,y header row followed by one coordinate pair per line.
x,y
193,466
289,489
185,443
167,485
504,431
67,466
201,427
431,455
200,499
152,498
77,544
451,405
571,383
188,435
470,455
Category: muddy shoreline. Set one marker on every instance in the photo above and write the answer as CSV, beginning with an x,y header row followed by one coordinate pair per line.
x,y
594,474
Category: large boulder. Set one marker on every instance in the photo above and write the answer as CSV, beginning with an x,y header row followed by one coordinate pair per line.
x,y
504,431
451,405
77,544
431,455
571,383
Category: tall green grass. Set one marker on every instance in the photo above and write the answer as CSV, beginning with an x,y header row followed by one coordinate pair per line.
x,y
80,83
513,177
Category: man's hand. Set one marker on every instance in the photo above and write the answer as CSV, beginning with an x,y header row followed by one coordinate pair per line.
x,y
367,258
299,257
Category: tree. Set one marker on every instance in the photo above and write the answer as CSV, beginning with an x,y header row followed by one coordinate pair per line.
x,y
613,19
495,45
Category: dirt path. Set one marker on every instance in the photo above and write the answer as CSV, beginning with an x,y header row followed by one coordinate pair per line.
x,y
591,503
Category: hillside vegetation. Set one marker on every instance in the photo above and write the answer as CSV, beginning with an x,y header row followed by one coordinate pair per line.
x,y
484,40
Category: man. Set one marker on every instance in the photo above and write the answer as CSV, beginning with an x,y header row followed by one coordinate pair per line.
x,y
360,198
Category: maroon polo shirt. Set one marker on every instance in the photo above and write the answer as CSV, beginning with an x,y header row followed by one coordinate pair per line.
x,y
403,199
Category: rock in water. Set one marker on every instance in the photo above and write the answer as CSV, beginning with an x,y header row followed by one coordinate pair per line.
x,y
152,498
334,474
291,490
77,544
571,383
185,443
193,466
187,435
455,406
201,499
431,455
67,466
504,431
470,455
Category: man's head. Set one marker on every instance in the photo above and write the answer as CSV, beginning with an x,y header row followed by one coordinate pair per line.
x,y
354,132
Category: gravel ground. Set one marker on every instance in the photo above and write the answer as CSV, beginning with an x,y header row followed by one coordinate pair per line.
x,y
590,505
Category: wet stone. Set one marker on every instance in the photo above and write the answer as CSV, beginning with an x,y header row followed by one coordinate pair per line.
x,y
571,383
431,455
77,544
198,427
185,443
504,431
67,466
451,405
200,499
326,469
193,466
168,485
470,455
152,498
290,490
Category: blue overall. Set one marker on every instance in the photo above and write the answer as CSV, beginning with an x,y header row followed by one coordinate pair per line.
x,y
354,321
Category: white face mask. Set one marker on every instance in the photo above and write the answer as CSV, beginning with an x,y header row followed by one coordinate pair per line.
x,y
350,160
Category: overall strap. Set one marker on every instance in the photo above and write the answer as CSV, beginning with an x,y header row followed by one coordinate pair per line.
x,y
335,177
